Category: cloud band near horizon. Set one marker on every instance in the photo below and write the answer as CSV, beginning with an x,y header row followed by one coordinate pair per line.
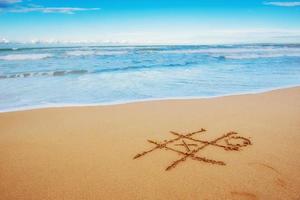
x,y
63,10
283,4
13,7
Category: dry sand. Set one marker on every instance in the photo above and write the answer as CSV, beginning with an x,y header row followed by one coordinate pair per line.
x,y
87,152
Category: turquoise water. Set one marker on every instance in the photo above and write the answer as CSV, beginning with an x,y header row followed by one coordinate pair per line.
x,y
57,76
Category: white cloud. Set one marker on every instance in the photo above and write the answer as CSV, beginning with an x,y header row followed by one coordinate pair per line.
x,y
9,1
283,4
14,7
201,36
35,8
64,10
4,40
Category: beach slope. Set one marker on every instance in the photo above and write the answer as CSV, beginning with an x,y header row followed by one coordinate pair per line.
x,y
88,152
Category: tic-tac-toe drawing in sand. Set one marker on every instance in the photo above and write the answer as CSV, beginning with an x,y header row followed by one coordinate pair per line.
x,y
189,147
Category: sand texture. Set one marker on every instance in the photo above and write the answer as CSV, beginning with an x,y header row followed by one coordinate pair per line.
x,y
242,147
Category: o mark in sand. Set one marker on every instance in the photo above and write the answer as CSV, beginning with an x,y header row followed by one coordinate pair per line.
x,y
192,146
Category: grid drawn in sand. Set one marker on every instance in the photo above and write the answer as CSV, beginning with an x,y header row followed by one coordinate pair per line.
x,y
192,146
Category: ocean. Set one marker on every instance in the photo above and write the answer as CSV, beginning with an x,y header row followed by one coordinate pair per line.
x,y
34,77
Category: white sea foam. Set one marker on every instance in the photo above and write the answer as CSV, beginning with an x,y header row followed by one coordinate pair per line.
x,y
254,56
94,53
80,53
240,53
108,53
231,50
115,103
16,57
47,73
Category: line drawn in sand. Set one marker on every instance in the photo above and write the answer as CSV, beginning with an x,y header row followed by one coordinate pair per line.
x,y
192,146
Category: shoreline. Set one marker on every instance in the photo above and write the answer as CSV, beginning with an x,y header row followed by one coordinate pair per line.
x,y
49,106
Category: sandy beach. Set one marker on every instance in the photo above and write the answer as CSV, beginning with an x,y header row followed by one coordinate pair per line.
x,y
88,152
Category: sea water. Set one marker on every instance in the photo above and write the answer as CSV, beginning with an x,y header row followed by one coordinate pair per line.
x,y
43,76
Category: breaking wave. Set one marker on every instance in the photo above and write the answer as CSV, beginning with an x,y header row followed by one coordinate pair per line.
x,y
94,53
256,56
83,71
239,53
49,73
17,57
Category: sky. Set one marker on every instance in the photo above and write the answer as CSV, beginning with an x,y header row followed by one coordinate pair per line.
x,y
150,21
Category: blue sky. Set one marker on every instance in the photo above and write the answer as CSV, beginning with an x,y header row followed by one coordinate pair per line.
x,y
149,21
